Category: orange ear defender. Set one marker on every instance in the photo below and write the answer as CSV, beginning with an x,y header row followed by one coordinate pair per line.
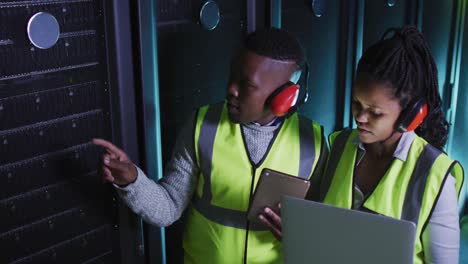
x,y
412,116
284,98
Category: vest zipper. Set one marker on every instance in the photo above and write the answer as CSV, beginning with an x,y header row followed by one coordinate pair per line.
x,y
247,229
254,167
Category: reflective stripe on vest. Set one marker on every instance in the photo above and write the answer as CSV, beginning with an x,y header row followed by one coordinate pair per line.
x,y
417,184
336,152
408,190
217,229
415,189
236,218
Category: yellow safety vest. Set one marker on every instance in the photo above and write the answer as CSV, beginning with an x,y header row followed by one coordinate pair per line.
x,y
217,230
408,190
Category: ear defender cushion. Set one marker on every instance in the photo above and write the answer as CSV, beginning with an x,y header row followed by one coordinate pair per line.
x,y
412,117
284,98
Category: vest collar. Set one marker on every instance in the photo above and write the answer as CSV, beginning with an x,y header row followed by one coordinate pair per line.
x,y
401,151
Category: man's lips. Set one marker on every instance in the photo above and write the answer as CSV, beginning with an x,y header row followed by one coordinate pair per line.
x,y
232,106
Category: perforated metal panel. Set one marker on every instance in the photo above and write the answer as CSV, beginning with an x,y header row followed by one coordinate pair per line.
x,y
53,207
193,70
323,45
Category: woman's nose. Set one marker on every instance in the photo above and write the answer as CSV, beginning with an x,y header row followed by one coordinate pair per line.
x,y
361,116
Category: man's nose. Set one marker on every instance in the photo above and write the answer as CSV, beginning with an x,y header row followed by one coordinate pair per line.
x,y
233,89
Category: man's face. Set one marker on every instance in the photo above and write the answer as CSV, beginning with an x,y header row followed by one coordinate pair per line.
x,y
253,78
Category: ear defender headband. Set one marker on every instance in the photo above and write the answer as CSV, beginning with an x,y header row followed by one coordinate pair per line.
x,y
284,99
412,116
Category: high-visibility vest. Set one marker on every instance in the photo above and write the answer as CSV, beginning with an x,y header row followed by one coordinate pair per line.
x,y
408,190
217,229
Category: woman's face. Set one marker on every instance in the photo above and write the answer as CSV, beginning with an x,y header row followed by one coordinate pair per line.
x,y
375,110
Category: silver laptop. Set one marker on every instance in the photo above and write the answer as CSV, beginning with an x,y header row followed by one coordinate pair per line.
x,y
319,233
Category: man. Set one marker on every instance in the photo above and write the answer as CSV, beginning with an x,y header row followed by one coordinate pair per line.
x,y
219,155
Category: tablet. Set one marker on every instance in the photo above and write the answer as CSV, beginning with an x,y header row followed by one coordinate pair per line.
x,y
270,187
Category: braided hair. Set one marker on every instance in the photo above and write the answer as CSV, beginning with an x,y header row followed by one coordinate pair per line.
x,y
275,44
406,63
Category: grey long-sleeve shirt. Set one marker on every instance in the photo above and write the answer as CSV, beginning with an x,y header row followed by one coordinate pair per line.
x,y
162,203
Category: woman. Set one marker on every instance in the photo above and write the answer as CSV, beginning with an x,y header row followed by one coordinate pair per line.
x,y
393,163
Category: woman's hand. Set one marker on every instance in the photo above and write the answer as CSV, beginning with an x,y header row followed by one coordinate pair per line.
x,y
272,219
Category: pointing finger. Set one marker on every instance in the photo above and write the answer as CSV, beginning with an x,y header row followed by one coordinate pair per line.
x,y
111,148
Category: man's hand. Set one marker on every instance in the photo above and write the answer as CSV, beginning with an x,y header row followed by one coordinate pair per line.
x,y
117,167
272,220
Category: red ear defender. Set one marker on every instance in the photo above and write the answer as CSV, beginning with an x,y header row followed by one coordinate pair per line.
x,y
412,117
284,98
418,119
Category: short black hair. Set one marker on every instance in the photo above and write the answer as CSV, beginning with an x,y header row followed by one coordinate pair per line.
x,y
277,44
405,61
